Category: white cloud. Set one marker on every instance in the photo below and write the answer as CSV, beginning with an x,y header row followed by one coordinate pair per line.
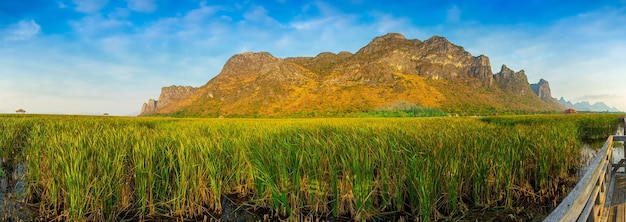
x,y
93,26
314,24
194,27
61,4
162,28
142,5
20,31
454,14
259,15
89,6
385,23
326,9
201,14
120,13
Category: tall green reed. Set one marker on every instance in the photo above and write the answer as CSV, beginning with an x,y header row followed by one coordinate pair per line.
x,y
95,168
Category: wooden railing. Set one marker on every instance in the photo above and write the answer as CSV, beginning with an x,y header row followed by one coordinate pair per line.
x,y
588,200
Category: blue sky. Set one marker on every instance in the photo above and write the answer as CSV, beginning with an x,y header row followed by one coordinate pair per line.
x,y
96,56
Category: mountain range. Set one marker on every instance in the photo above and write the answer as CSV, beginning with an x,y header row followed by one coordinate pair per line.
x,y
586,106
389,70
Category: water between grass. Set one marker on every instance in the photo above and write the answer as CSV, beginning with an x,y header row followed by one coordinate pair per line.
x,y
13,206
13,193
589,151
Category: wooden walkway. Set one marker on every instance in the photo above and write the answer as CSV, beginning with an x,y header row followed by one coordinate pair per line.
x,y
617,208
600,195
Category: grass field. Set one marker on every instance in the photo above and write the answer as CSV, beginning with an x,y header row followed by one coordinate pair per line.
x,y
111,168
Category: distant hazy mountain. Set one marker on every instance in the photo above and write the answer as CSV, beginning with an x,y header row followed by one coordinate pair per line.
x,y
586,106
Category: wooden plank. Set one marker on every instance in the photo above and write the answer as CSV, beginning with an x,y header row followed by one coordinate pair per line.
x,y
612,211
609,200
574,204
620,214
618,197
617,209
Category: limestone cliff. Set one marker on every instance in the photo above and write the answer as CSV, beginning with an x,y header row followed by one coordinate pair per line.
x,y
515,82
174,94
434,73
542,89
149,107
435,58
169,95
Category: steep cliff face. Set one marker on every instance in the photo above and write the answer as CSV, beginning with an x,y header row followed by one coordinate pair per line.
x,y
435,58
149,107
173,94
169,95
512,81
542,89
433,73
441,59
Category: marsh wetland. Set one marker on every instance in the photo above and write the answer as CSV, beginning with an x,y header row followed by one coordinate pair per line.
x,y
445,168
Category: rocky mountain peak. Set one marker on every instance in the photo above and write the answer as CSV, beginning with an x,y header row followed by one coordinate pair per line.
x,y
169,95
329,57
542,89
506,73
251,58
516,82
325,55
260,74
149,107
344,54
250,66
249,61
442,45
437,40
388,37
384,43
